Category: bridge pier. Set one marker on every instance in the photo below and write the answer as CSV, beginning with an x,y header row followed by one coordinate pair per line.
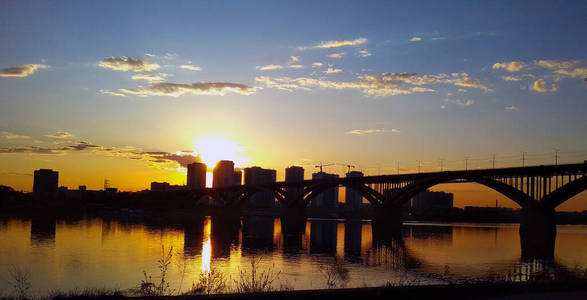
x,y
387,224
293,221
537,233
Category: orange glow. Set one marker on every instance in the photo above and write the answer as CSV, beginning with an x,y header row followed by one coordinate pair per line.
x,y
209,177
206,246
213,148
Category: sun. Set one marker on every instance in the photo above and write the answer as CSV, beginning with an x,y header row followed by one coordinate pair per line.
x,y
213,148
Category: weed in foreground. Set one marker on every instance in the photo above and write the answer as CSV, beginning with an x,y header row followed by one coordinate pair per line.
x,y
149,288
212,282
256,281
20,281
335,274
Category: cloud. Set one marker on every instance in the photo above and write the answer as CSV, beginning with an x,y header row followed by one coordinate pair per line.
x,y
199,88
127,64
13,136
341,43
336,55
364,53
107,92
190,67
60,135
295,66
150,77
283,83
22,70
513,66
511,78
540,87
270,67
457,102
415,39
465,81
317,64
293,60
364,131
576,72
371,131
557,64
332,71
512,107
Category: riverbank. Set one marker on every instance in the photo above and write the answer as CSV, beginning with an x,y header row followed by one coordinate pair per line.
x,y
576,289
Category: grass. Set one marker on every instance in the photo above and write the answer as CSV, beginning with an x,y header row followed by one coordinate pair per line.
x,y
150,288
256,281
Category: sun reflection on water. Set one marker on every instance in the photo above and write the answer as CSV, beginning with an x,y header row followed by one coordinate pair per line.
x,y
206,245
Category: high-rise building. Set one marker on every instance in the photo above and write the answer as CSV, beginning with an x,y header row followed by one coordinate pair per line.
x,y
353,198
196,176
223,174
328,198
294,174
237,177
430,199
45,181
258,175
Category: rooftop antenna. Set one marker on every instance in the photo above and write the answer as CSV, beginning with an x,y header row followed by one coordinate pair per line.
x,y
106,183
349,168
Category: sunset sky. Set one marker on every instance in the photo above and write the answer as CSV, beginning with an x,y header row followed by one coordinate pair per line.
x,y
134,90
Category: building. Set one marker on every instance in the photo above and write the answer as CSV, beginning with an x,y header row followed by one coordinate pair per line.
x,y
429,199
45,181
353,198
294,174
224,174
196,176
237,177
328,198
165,187
258,175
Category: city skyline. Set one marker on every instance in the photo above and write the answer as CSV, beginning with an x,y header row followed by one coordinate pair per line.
x,y
94,91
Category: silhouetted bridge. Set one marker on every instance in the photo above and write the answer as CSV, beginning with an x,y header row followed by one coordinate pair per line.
x,y
538,190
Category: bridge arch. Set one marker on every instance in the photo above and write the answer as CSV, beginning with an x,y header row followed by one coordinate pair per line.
x,y
411,190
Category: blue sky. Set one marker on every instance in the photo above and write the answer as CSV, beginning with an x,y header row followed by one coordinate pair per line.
x,y
371,83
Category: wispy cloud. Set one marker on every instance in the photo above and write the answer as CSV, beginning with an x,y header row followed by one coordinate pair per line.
x,y
336,55
364,53
512,66
60,135
293,60
558,64
295,66
332,71
150,77
190,68
127,64
13,136
109,93
415,39
199,88
540,87
22,70
576,72
317,65
270,67
340,43
512,107
457,102
511,78
371,131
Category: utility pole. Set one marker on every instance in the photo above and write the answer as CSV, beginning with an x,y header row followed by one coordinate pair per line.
x,y
398,168
523,159
466,163
441,164
556,156
419,165
493,164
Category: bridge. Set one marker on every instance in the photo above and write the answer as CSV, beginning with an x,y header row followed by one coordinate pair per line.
x,y
538,190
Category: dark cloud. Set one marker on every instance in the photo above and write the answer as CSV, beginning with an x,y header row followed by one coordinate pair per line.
x,y
127,64
199,88
22,70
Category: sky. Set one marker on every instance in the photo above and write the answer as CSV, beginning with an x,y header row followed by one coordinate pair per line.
x,y
133,91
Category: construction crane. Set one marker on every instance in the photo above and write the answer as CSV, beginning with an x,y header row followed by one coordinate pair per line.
x,y
322,165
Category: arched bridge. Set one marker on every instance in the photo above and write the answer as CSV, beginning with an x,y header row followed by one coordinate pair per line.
x,y
539,186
